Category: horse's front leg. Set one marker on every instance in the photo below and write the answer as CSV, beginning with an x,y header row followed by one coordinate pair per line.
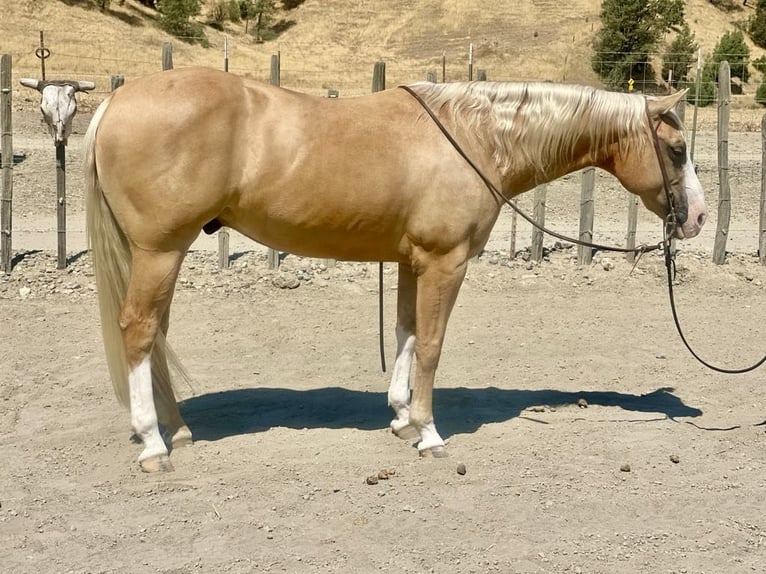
x,y
437,290
399,391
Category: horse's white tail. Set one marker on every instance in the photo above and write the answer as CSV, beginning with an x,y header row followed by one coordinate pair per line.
x,y
111,259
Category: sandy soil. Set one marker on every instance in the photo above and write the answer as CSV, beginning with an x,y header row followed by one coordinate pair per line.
x,y
592,441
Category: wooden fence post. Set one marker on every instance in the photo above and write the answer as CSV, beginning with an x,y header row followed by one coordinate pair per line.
x,y
584,253
724,191
697,88
444,67
167,56
276,80
512,240
538,215
379,77
61,204
6,148
470,62
681,110
223,233
762,219
630,238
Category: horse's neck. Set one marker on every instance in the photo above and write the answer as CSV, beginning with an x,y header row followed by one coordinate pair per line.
x,y
523,171
524,174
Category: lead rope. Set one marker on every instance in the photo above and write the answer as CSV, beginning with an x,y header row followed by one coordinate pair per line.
x,y
670,262
380,317
670,266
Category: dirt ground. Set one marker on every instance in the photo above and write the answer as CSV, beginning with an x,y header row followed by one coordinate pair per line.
x,y
592,441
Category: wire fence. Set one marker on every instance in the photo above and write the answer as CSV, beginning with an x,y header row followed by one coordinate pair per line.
x,y
353,78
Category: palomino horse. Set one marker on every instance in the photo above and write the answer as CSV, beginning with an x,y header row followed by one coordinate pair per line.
x,y
368,179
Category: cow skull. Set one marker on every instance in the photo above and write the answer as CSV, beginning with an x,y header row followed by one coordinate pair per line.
x,y
58,104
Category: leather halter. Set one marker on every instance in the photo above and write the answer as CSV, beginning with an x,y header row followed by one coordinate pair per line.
x,y
671,220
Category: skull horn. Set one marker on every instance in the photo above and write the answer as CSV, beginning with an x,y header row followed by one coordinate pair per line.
x,y
31,83
83,86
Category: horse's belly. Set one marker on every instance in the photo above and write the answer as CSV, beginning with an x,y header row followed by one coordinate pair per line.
x,y
354,238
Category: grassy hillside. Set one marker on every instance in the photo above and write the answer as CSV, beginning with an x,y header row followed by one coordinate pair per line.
x,y
333,43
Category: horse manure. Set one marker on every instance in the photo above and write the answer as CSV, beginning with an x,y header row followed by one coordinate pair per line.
x,y
675,459
461,468
383,474
625,468
372,479
286,281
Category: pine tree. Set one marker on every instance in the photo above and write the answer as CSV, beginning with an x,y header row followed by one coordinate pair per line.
x,y
732,48
707,86
260,12
176,18
631,30
680,55
757,26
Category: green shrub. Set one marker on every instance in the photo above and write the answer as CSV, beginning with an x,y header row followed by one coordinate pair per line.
x,y
760,94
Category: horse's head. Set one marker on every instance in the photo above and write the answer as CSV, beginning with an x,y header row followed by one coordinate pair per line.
x,y
58,104
660,171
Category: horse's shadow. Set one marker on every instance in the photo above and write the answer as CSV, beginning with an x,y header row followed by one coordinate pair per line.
x,y
219,415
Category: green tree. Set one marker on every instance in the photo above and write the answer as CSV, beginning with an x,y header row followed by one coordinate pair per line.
x,y
176,18
680,55
260,12
760,94
732,48
760,64
631,30
707,86
222,11
757,25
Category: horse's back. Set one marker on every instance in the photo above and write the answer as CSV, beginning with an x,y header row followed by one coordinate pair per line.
x,y
340,178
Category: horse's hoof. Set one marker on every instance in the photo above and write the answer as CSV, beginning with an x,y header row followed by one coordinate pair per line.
x,y
182,437
434,452
159,463
405,432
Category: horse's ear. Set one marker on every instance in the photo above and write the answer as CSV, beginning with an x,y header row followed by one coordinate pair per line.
x,y
659,106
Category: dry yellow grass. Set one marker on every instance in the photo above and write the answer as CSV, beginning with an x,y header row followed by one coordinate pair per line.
x,y
333,44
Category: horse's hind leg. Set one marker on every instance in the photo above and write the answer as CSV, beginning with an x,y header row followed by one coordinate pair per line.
x,y
148,298
176,431
399,390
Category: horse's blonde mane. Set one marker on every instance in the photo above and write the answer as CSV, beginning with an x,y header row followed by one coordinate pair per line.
x,y
553,118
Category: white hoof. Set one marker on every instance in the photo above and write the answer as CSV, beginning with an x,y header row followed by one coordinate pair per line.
x,y
404,430
159,463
